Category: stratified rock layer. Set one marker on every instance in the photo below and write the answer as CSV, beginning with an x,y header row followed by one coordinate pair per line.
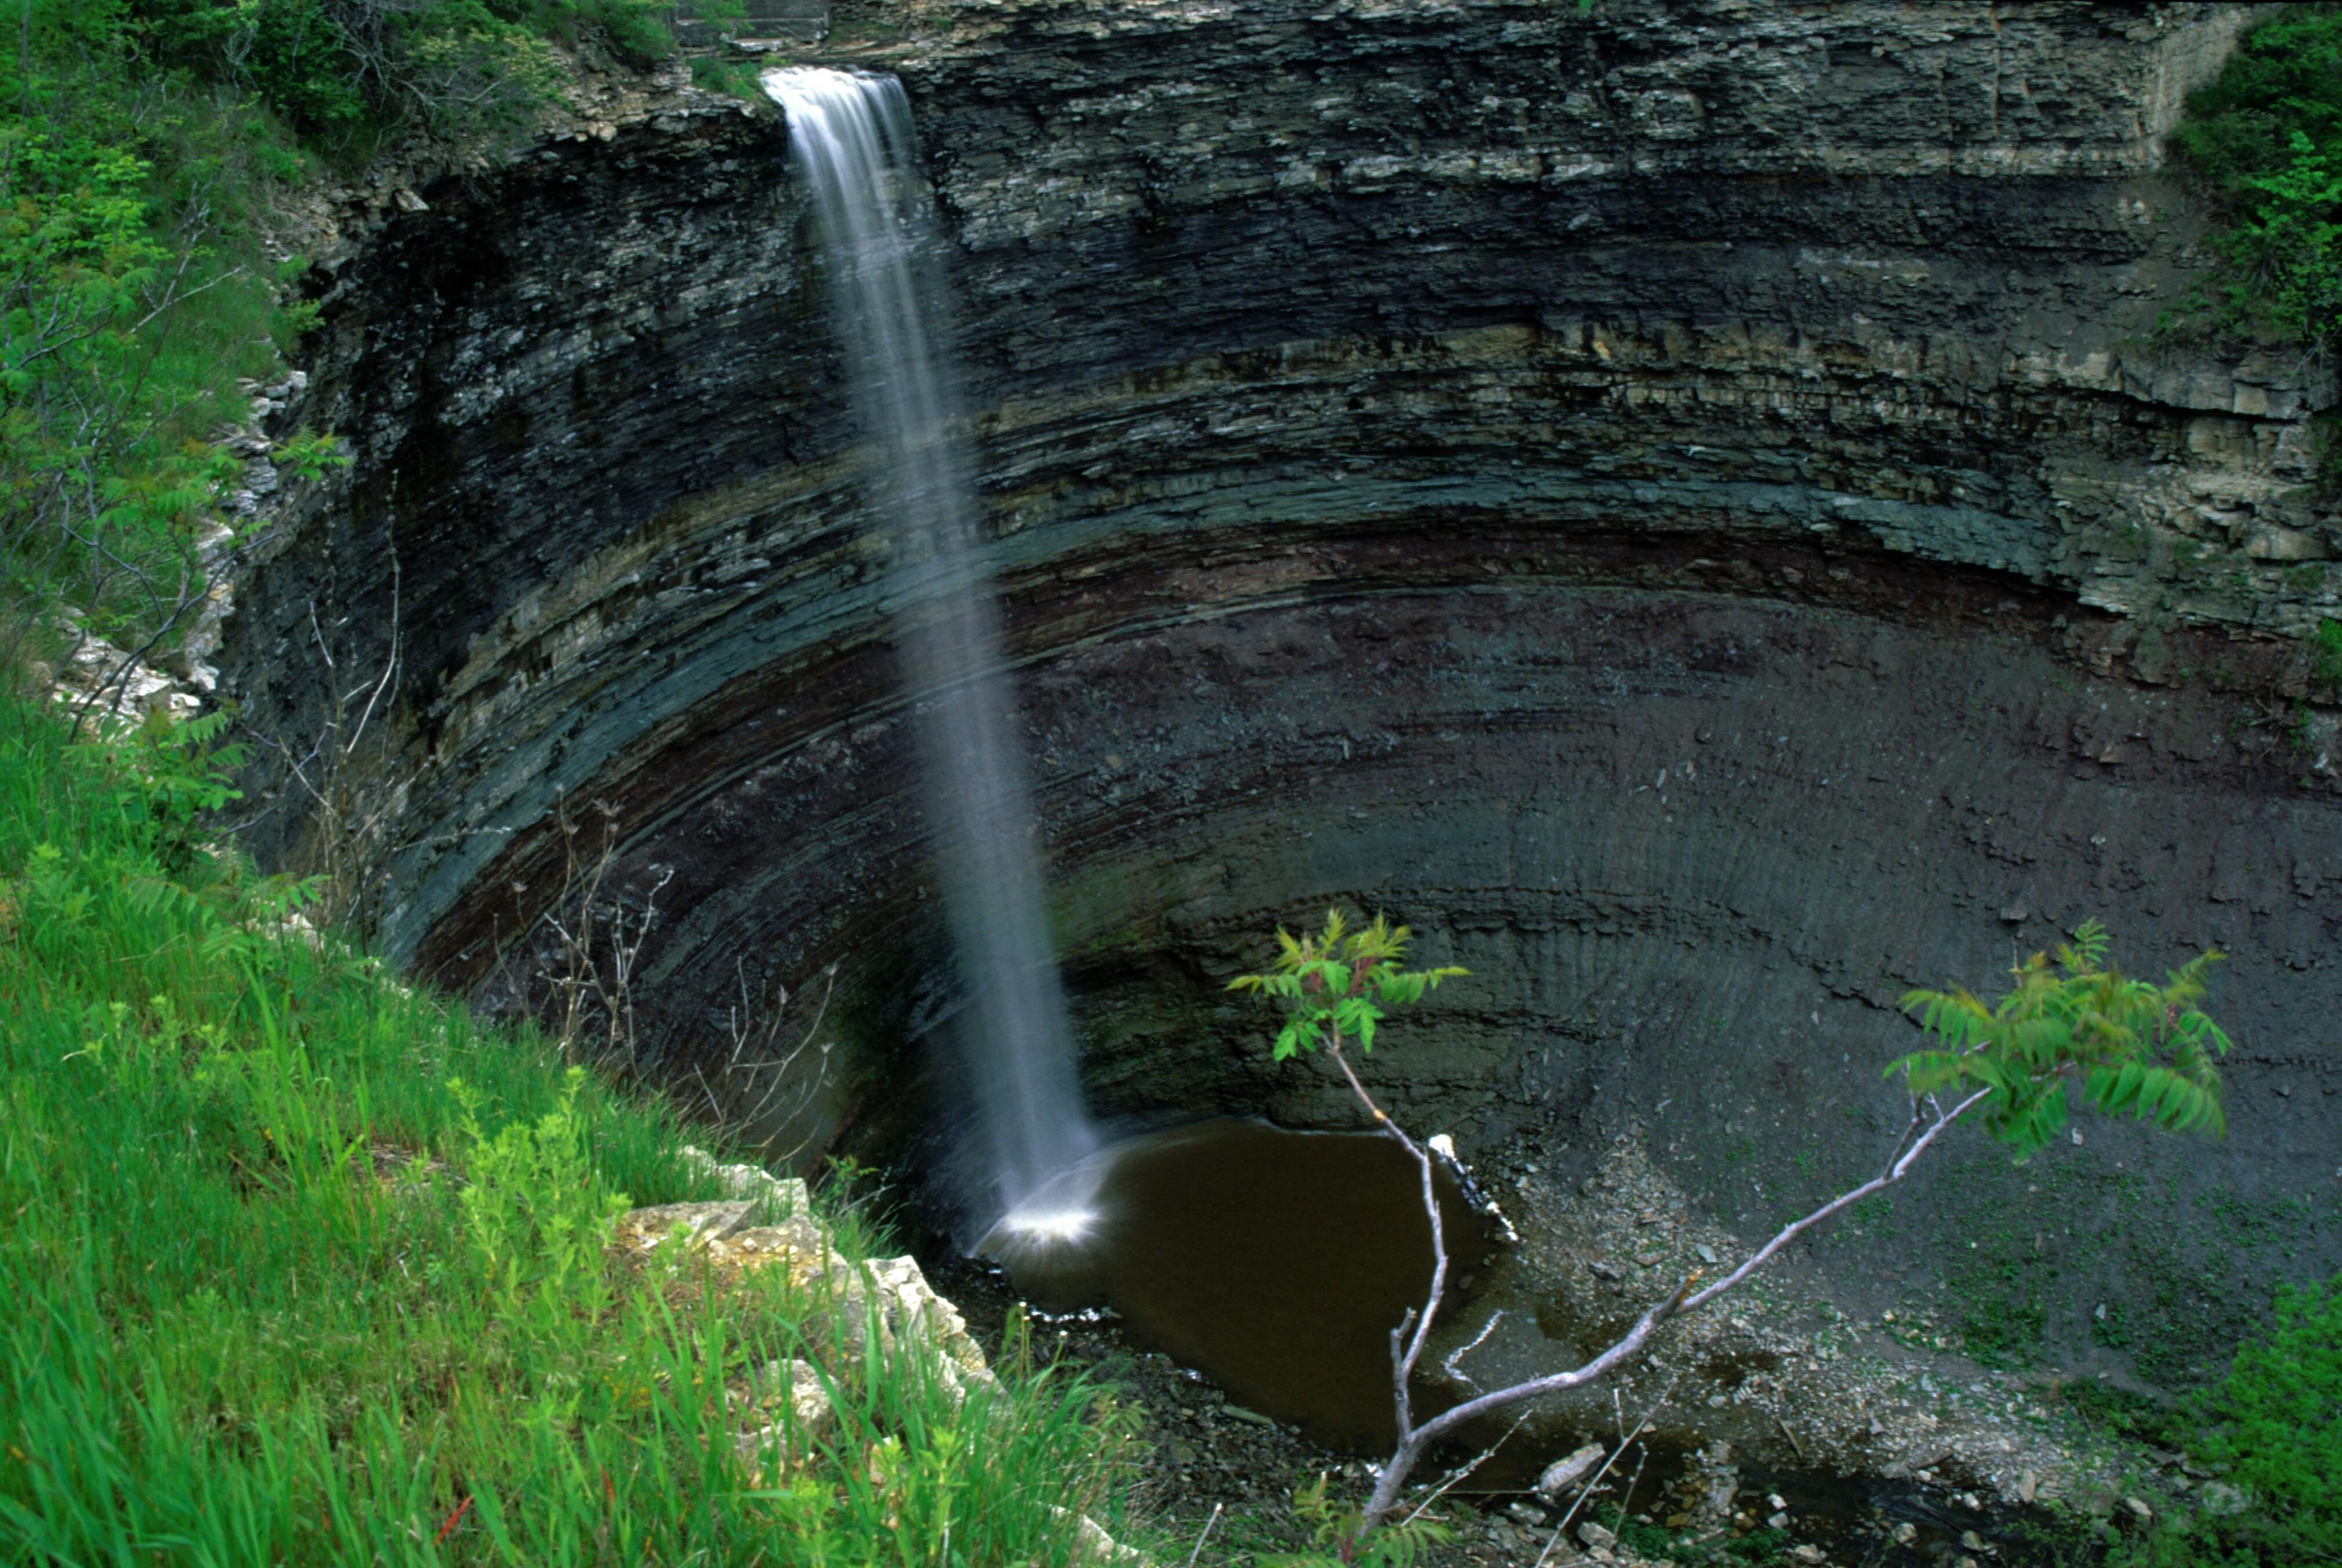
x,y
1685,504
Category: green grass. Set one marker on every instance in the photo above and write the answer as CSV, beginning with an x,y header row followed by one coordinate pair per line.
x,y
304,1266
2183,1277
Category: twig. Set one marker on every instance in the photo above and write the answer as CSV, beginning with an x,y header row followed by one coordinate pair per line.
x,y
1207,1536
1461,1470
1618,1528
1594,1480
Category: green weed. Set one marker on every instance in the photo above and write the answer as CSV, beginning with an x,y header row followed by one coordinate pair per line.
x,y
2326,649
2266,134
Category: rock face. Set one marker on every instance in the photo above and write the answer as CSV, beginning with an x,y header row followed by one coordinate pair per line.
x,y
1684,503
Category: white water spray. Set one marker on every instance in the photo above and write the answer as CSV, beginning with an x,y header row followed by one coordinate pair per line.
x,y
850,137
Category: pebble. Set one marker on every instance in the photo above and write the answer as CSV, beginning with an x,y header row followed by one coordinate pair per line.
x,y
1562,1471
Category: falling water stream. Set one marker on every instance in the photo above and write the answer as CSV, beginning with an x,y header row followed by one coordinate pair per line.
x,y
850,139
1278,1260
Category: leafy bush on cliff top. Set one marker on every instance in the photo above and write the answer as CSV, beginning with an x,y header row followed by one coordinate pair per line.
x,y
144,145
2267,133
339,71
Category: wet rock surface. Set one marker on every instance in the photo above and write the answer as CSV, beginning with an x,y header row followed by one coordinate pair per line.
x,y
1687,506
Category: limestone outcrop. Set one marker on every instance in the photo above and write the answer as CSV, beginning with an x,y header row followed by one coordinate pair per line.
x,y
857,1309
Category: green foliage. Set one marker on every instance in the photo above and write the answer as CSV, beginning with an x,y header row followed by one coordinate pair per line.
x,y
182,770
536,1211
2272,1429
2267,132
1339,985
144,145
341,72
128,309
2131,1047
2326,653
1334,1528
2277,1421
738,78
278,1291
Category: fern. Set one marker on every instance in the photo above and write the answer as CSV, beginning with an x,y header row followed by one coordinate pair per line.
x,y
1337,1535
2129,1048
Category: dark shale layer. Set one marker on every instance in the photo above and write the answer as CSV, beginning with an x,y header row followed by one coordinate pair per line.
x,y
1686,505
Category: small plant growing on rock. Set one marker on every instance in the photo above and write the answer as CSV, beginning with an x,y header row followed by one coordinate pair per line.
x,y
2070,1025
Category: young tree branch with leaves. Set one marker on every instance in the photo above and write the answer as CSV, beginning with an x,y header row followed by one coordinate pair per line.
x,y
2069,1026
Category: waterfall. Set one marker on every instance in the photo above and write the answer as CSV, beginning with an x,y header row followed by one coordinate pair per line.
x,y
851,139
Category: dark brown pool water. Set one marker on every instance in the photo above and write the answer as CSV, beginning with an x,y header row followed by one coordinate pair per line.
x,y
1276,1263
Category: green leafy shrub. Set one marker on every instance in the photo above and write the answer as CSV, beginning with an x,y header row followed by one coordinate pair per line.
x,y
131,300
143,146
2266,134
342,72
1338,984
2276,1423
536,1211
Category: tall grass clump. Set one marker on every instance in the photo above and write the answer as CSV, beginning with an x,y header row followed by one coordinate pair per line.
x,y
304,1266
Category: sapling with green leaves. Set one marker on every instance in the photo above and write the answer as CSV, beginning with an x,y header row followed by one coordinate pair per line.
x,y
2070,1026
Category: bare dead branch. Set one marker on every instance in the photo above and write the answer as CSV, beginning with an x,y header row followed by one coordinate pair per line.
x,y
1928,1122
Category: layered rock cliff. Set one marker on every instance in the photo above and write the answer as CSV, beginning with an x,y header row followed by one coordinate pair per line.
x,y
1685,501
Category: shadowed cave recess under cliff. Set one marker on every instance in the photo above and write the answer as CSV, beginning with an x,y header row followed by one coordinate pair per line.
x,y
1684,504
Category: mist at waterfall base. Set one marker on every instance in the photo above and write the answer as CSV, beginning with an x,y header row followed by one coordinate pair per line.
x,y
852,143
